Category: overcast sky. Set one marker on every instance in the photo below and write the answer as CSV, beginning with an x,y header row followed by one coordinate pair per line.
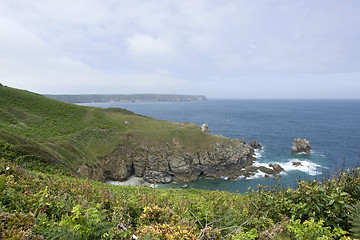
x,y
221,49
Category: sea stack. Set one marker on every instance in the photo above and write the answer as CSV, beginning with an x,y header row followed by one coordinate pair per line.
x,y
301,146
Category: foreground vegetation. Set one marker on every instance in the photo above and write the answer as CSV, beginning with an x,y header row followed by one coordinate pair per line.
x,y
49,205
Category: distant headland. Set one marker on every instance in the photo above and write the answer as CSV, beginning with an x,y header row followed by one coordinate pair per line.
x,y
87,98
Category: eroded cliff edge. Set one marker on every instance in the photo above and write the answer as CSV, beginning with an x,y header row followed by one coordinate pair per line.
x,y
161,162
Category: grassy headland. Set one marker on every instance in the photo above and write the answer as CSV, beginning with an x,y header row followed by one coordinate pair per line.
x,y
70,135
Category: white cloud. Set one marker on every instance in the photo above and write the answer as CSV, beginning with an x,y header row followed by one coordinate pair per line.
x,y
146,46
17,40
51,45
28,62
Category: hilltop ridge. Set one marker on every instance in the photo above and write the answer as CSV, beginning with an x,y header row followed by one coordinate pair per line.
x,y
87,98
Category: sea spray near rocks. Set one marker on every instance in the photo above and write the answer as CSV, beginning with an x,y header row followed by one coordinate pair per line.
x,y
306,166
258,153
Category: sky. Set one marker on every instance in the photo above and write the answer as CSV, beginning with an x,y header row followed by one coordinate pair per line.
x,y
221,49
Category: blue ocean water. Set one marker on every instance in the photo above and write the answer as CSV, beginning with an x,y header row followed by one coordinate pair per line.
x,y
331,126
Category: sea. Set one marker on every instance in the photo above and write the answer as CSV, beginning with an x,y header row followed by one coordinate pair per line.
x,y
331,126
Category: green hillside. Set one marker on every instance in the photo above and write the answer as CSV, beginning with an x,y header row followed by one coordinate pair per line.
x,y
69,135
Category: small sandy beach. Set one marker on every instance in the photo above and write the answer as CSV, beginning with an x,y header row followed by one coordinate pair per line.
x,y
132,181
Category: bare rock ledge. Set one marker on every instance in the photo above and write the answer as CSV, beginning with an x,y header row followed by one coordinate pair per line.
x,y
162,162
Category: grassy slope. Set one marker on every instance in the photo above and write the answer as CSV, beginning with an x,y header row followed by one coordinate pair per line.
x,y
69,134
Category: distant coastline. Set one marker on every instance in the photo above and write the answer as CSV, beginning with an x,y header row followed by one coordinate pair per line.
x,y
89,98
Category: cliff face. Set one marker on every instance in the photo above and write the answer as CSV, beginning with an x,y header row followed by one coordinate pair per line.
x,y
161,162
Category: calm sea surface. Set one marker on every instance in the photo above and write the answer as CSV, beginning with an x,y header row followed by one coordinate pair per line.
x,y
331,126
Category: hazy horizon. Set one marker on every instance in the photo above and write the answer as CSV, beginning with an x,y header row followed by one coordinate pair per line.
x,y
207,98
238,49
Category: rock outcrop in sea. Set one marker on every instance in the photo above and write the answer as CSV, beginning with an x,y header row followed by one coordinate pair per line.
x,y
301,146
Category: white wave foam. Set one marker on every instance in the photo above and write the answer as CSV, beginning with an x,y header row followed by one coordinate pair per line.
x,y
258,164
305,166
258,174
258,153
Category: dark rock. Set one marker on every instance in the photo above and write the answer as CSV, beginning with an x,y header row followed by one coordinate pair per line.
x,y
255,144
277,167
252,169
267,170
273,169
249,174
205,128
95,172
158,162
157,177
301,146
296,164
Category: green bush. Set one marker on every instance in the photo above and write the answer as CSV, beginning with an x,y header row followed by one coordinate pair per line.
x,y
17,226
313,230
355,220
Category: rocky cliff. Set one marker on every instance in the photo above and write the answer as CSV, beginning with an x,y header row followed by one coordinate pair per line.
x,y
161,162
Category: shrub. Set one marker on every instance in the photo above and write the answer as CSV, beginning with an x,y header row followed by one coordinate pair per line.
x,y
17,226
313,230
355,220
167,231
